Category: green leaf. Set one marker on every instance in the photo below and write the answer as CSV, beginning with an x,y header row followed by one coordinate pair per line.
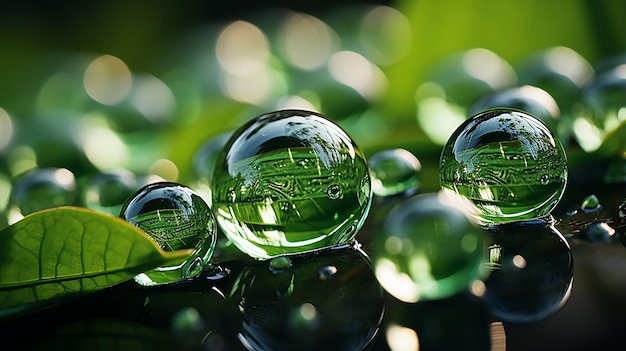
x,y
55,254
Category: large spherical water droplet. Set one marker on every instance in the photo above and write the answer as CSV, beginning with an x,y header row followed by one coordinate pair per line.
x,y
176,218
393,172
507,163
531,267
107,191
43,188
428,248
288,182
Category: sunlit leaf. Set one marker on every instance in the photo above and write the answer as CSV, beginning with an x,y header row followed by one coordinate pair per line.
x,y
58,253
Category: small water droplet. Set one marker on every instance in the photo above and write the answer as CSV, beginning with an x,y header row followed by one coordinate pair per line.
x,y
334,192
544,180
591,203
325,272
279,263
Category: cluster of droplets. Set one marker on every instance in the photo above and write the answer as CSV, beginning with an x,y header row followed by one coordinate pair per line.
x,y
290,186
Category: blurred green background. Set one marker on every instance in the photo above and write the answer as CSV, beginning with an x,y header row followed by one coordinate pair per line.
x,y
47,47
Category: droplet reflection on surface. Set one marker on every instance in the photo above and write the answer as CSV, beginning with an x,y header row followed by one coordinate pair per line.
x,y
532,271
528,98
296,310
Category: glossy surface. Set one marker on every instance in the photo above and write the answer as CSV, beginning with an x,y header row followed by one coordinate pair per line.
x,y
325,301
176,218
532,270
288,182
428,248
507,163
394,171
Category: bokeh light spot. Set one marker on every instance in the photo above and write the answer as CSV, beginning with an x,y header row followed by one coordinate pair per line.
x,y
401,338
356,71
6,128
306,42
107,80
152,98
242,48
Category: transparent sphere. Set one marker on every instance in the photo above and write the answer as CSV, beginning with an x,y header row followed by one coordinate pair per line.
x,y
289,182
507,163
427,248
176,218
393,172
107,191
43,188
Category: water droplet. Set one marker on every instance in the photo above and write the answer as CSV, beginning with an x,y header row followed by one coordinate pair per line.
x,y
268,204
537,174
279,263
43,188
591,204
434,236
326,272
176,217
394,171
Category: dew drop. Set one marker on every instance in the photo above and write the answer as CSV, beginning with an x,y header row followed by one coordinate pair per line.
x,y
500,138
175,217
279,263
591,203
